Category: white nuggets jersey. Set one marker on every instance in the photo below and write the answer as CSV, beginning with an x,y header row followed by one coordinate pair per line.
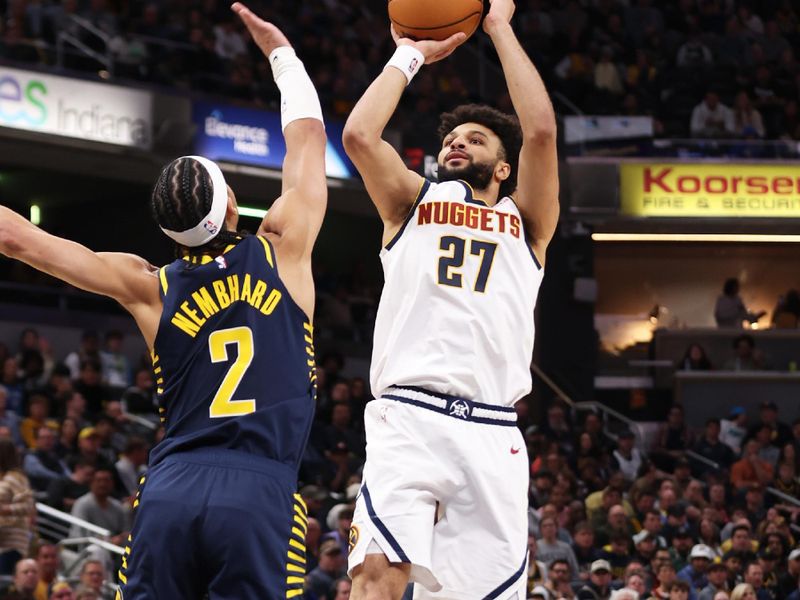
x,y
456,313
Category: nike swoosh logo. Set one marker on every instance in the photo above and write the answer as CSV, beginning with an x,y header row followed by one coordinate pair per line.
x,y
514,450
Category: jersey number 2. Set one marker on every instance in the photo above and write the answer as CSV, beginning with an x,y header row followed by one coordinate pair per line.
x,y
456,246
223,405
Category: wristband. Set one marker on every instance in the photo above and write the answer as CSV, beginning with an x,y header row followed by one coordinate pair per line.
x,y
408,60
299,99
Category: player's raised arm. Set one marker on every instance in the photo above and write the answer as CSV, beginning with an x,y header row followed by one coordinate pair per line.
x,y
390,184
128,279
537,181
297,215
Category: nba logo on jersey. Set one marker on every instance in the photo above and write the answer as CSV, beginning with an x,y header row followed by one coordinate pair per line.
x,y
221,262
210,227
459,408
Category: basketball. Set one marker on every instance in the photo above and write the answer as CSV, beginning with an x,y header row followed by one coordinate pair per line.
x,y
435,19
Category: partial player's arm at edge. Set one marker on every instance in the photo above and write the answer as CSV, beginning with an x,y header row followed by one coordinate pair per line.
x,y
126,278
390,184
537,179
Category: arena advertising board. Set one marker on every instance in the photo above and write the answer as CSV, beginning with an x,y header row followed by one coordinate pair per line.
x,y
710,190
254,137
75,108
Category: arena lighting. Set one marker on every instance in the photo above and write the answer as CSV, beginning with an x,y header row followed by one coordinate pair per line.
x,y
696,237
248,211
36,214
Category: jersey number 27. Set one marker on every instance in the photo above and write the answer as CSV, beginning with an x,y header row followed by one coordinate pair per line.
x,y
449,264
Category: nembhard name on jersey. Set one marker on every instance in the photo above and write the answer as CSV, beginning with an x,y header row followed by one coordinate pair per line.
x,y
467,215
224,292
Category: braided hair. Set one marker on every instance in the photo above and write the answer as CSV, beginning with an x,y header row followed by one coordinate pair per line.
x,y
181,197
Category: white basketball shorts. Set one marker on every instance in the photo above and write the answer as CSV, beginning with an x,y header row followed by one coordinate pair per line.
x,y
445,489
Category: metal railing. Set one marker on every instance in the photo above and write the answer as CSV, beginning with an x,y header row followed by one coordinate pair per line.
x,y
55,524
87,28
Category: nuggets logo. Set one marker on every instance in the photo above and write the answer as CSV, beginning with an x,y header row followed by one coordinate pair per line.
x,y
352,539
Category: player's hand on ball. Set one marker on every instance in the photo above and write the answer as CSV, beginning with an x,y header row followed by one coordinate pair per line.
x,y
500,13
432,50
266,36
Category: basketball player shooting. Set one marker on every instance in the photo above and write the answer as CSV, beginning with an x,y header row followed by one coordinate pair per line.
x,y
444,497
233,355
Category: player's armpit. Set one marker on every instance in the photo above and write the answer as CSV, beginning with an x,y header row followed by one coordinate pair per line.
x,y
537,191
390,184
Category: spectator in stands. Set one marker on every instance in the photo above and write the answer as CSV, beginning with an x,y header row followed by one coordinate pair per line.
x,y
746,357
682,542
712,119
550,548
140,399
537,570
787,480
89,450
616,552
666,575
754,576
748,123
679,590
789,581
76,409
47,559
38,417
91,387
694,54
115,368
133,464
93,576
750,470
99,508
637,581
599,585
60,591
787,312
616,523
340,590
67,442
626,458
712,448
730,310
717,575
9,419
331,566
558,429
695,573
673,439
26,576
606,73
741,543
584,548
43,465
733,430
708,534
89,350
695,359
559,578
10,380
779,433
16,507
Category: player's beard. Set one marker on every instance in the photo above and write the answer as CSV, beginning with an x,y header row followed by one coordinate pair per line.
x,y
478,175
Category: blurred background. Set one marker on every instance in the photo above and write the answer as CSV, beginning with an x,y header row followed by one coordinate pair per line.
x,y
671,284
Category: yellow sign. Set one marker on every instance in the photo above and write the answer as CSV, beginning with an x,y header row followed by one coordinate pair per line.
x,y
709,190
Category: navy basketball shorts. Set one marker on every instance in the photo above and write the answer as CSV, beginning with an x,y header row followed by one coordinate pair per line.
x,y
216,522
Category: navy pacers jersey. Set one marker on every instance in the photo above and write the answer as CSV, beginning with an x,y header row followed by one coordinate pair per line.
x,y
233,357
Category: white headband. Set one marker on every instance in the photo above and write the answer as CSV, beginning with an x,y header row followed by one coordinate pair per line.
x,y
210,225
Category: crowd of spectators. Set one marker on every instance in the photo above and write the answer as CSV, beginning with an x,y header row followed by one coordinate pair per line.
x,y
607,514
705,68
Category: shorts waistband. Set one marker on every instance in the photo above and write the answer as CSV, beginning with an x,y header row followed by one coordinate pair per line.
x,y
462,409
223,457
